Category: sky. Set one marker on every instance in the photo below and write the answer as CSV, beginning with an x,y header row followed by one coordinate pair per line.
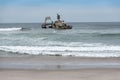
x,y
34,11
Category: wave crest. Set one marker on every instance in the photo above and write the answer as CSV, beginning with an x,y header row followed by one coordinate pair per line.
x,y
10,29
99,51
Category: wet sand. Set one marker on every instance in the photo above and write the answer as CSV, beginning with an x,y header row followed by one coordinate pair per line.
x,y
59,68
80,74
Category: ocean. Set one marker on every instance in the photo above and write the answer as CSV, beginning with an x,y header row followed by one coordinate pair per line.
x,y
85,39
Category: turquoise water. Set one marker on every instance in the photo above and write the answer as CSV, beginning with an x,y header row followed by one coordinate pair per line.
x,y
88,39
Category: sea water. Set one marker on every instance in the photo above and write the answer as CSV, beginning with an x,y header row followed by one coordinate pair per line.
x,y
85,39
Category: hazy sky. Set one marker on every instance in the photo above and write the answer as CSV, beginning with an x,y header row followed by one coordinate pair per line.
x,y
19,11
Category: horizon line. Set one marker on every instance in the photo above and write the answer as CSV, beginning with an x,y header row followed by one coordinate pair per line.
x,y
66,22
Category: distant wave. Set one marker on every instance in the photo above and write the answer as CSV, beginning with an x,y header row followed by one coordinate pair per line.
x,y
10,29
106,32
101,34
99,51
110,34
24,29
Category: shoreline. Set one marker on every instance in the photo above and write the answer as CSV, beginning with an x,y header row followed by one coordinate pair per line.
x,y
58,58
57,63
59,67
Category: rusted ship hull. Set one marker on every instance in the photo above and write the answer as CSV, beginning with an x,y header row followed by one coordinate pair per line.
x,y
59,24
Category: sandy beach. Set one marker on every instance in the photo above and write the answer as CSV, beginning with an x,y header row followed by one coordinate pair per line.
x,y
57,67
81,74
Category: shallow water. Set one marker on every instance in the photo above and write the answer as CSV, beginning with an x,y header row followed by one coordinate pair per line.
x,y
95,39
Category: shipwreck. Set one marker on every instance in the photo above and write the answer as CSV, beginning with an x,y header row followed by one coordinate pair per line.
x,y
58,24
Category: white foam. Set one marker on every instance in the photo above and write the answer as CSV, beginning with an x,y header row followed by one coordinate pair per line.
x,y
99,51
10,29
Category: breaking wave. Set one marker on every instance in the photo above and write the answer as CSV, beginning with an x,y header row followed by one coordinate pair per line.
x,y
10,29
95,51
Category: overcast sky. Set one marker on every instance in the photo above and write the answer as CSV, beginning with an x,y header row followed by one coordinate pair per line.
x,y
26,11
